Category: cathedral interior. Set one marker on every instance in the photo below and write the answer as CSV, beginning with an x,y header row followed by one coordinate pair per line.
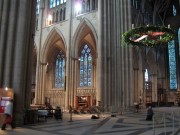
x,y
71,53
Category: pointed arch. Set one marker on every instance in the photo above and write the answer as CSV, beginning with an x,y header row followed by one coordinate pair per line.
x,y
83,28
53,36
85,36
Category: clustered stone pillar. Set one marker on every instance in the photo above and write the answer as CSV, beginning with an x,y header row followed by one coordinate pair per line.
x,y
114,61
39,92
154,88
17,19
136,85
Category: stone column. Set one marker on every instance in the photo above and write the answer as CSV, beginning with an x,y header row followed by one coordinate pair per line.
x,y
8,65
39,98
1,11
154,88
90,5
136,87
143,85
23,56
115,68
16,40
3,35
70,63
99,58
44,68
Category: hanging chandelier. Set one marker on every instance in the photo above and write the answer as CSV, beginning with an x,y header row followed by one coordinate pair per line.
x,y
148,36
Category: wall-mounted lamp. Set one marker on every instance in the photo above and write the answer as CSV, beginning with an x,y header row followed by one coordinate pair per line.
x,y
49,20
78,8
6,88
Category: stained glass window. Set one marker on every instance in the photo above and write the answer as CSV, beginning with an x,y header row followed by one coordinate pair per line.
x,y
86,66
172,60
57,2
37,7
63,1
174,11
60,70
172,65
54,3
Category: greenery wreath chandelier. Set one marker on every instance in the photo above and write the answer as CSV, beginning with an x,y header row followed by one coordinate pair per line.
x,y
148,36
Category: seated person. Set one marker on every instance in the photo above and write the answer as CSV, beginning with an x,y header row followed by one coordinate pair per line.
x,y
58,113
150,113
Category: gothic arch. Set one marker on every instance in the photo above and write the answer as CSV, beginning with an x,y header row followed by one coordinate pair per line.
x,y
54,37
84,30
84,34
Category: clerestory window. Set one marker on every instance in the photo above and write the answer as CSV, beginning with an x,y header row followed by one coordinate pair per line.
x,y
54,3
85,6
37,6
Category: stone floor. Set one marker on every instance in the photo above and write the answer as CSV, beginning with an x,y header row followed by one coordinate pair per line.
x,y
167,122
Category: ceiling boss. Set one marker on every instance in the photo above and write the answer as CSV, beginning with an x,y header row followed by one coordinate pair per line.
x,y
149,36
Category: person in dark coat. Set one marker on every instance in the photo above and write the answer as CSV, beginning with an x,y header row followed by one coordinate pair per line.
x,y
58,113
150,113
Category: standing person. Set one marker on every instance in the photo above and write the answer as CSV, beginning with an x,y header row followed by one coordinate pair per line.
x,y
150,113
8,113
